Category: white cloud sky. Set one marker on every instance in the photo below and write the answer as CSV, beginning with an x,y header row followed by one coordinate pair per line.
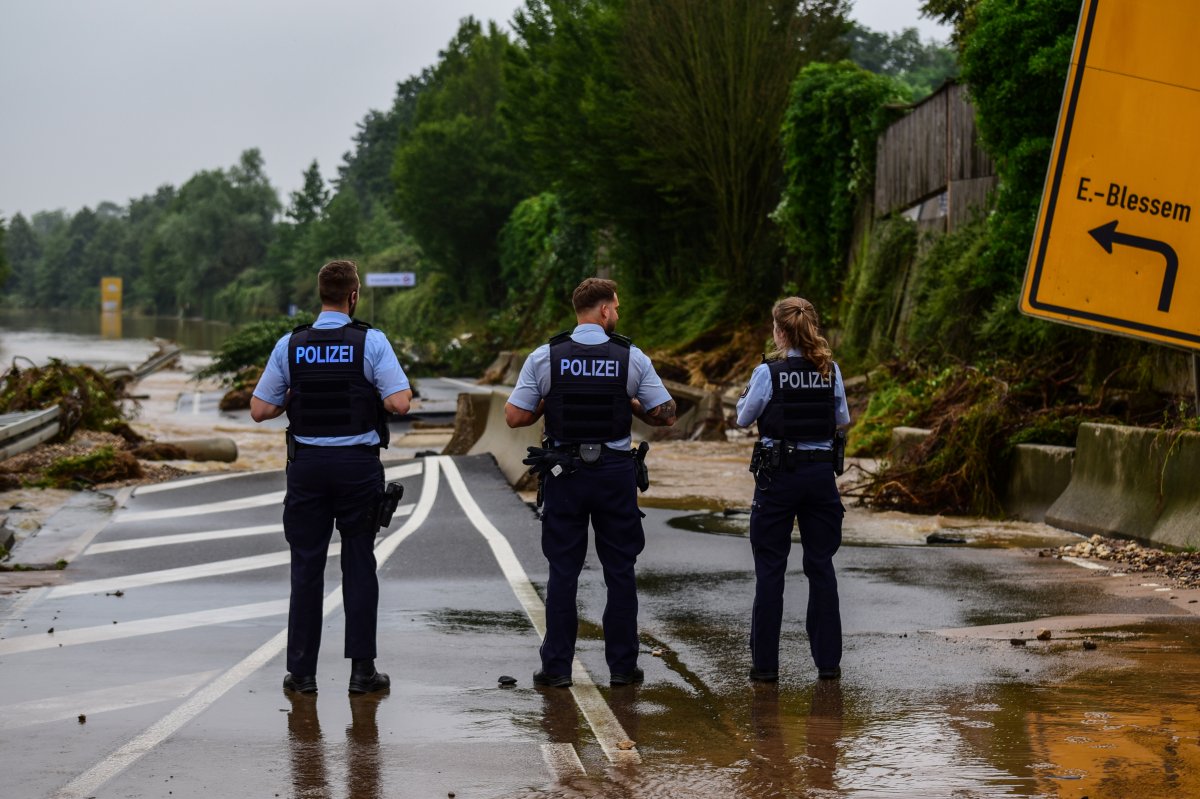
x,y
109,100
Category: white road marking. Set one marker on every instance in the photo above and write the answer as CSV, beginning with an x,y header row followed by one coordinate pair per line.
x,y
256,501
596,711
563,761
181,538
185,483
215,568
205,535
87,783
132,629
90,703
1087,564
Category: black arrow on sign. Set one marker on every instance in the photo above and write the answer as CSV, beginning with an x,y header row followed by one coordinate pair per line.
x,y
1107,236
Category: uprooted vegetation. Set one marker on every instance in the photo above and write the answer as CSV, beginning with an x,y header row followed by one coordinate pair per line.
x,y
86,399
95,444
976,418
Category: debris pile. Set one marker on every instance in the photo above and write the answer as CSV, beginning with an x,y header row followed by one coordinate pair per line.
x,y
1182,567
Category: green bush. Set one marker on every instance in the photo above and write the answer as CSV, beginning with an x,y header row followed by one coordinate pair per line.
x,y
250,346
834,117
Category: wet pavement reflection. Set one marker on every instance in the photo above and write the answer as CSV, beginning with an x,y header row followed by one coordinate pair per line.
x,y
308,750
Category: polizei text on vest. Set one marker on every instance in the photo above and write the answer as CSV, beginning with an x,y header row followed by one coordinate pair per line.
x,y
590,367
328,353
804,380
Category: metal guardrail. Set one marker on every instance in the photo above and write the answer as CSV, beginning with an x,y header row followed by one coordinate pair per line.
x,y
24,431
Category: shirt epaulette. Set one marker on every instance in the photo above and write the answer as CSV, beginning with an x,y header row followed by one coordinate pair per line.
x,y
617,338
361,324
298,328
560,337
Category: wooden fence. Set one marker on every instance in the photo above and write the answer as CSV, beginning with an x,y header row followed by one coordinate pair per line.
x,y
930,163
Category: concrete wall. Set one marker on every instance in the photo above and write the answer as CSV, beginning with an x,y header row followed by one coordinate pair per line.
x,y
507,445
1038,476
1133,482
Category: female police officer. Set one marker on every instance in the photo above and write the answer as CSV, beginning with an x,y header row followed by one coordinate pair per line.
x,y
798,401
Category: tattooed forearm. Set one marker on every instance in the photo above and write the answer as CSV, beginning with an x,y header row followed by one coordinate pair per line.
x,y
664,410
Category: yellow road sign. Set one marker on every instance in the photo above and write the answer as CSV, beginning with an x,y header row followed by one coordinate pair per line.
x,y
1118,237
110,294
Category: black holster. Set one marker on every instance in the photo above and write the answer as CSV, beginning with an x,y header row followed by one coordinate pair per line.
x,y
387,505
839,452
640,470
291,444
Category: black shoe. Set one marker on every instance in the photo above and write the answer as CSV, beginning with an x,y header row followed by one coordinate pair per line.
x,y
301,685
627,678
364,679
759,675
551,680
833,673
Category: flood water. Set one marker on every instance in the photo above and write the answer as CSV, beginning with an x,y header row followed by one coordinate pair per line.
x,y
1130,730
97,339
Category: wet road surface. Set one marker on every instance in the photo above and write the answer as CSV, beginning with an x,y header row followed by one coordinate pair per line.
x,y
167,637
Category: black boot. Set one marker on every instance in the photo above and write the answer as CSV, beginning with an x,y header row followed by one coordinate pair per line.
x,y
364,679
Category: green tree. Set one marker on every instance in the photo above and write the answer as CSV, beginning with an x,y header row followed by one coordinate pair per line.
x,y
308,204
1015,62
24,254
709,83
544,254
836,114
218,228
456,173
920,66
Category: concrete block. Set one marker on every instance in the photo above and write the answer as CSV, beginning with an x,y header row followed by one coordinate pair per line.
x,y
905,440
1038,476
1133,482
507,445
470,419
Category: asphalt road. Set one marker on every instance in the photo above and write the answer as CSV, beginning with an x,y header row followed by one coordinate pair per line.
x,y
162,673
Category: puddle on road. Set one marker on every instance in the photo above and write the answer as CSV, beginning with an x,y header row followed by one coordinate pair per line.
x,y
1130,731
453,620
868,528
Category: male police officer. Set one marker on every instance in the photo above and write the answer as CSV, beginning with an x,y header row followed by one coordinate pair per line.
x,y
589,384
329,377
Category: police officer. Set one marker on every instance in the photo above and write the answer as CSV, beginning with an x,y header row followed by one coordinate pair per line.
x,y
798,401
329,377
589,384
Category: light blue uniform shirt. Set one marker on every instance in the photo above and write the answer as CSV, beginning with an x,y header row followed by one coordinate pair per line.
x,y
756,396
534,383
379,365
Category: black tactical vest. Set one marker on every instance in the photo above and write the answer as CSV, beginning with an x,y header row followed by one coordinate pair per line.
x,y
588,401
331,395
801,407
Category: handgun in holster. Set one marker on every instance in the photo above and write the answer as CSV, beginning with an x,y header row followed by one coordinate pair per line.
x,y
291,444
387,505
640,470
839,451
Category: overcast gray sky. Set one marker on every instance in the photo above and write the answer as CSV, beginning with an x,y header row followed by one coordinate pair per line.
x,y
109,99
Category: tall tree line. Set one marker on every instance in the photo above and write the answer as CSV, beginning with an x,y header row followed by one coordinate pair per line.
x,y
648,140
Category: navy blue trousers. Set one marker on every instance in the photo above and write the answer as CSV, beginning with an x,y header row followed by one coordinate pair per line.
x,y
605,494
328,486
808,495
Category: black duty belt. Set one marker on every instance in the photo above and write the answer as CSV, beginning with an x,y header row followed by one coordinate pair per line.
x,y
372,448
810,456
573,450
